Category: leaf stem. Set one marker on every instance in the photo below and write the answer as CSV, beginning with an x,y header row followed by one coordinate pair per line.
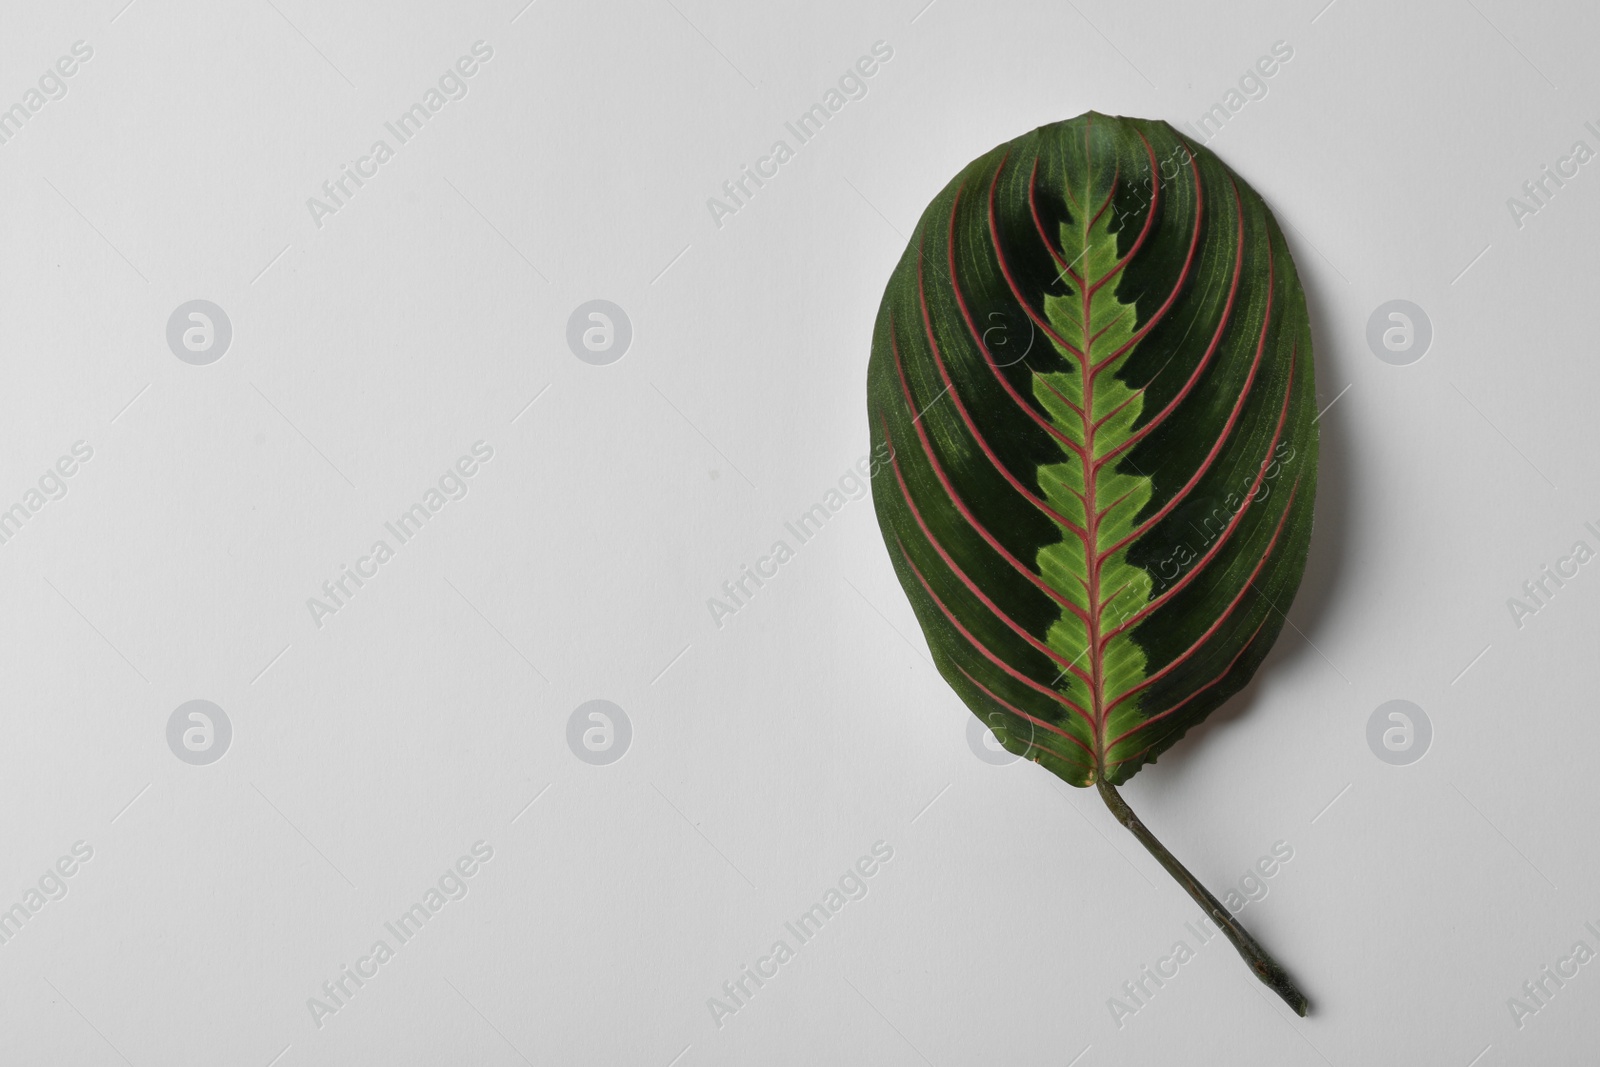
x,y
1265,967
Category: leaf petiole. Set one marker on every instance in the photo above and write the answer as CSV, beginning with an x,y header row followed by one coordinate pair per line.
x,y
1265,967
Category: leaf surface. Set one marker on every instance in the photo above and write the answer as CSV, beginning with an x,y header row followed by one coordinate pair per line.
x,y
1093,366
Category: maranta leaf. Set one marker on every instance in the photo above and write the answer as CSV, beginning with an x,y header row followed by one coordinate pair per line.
x,y
1093,365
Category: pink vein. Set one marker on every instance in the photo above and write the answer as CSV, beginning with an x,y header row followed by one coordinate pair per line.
x,y
1249,584
1013,709
1091,493
1116,176
1227,429
1205,360
966,418
972,330
1011,282
1227,533
957,499
1149,219
1179,705
1183,275
984,649
1038,224
972,587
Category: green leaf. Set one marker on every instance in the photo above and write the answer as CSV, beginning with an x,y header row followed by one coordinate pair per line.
x,y
1093,366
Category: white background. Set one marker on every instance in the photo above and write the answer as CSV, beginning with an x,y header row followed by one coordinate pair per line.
x,y
770,753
